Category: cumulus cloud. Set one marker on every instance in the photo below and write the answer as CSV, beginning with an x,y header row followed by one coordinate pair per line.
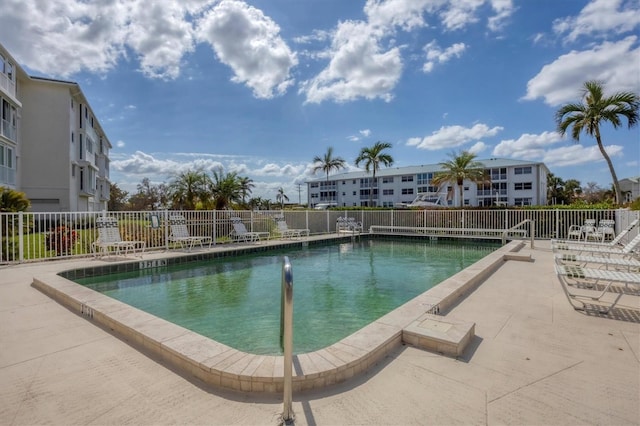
x,y
503,9
366,133
600,18
359,68
69,36
528,146
249,42
576,154
120,144
477,148
453,136
435,55
610,62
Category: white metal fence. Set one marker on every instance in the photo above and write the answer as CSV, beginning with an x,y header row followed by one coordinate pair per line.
x,y
27,237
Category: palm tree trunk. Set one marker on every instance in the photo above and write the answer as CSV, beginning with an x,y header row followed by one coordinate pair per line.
x,y
371,189
616,184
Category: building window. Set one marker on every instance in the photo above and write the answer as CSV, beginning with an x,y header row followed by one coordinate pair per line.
x,y
314,185
522,186
354,193
388,179
522,170
407,178
387,192
424,178
522,201
407,191
498,174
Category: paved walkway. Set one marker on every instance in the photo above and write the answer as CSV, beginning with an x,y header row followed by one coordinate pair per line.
x,y
534,361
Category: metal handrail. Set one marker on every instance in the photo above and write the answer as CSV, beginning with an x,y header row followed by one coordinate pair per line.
x,y
532,231
286,335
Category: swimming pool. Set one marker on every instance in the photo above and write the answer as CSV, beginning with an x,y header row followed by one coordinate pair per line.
x,y
338,289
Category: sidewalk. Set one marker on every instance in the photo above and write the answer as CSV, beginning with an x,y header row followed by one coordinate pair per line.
x,y
534,361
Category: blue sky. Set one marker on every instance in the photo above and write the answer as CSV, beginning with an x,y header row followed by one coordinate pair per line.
x,y
260,87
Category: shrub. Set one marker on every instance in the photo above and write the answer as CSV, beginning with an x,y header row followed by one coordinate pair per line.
x,y
61,239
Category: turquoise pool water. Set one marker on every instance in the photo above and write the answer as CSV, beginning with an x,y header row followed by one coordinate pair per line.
x,y
338,289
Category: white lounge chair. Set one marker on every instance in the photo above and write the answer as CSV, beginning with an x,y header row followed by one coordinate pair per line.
x,y
588,277
180,234
286,232
240,232
109,239
615,263
628,250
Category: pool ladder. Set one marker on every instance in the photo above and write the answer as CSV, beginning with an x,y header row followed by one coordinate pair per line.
x,y
286,336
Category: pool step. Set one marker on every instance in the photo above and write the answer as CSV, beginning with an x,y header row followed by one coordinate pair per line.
x,y
438,334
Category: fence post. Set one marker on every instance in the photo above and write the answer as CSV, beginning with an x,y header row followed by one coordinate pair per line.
x,y
20,239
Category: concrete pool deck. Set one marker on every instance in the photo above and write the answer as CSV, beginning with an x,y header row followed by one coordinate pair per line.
x,y
533,360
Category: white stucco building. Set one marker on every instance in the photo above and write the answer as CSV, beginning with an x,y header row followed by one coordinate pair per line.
x,y
630,188
60,151
512,183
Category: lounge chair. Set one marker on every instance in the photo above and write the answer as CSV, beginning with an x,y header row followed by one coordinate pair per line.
x,y
588,277
615,263
240,232
628,250
618,239
109,239
180,234
348,224
286,232
602,232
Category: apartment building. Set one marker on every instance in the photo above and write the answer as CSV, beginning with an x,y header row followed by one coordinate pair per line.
x,y
510,183
58,154
630,188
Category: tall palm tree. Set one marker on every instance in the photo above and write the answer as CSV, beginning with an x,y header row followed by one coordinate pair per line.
x,y
328,162
281,197
246,184
594,110
372,157
187,188
460,167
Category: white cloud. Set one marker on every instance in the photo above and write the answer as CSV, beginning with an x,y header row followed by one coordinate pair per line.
x,y
359,67
435,55
600,18
366,133
249,42
120,144
477,148
453,136
503,9
64,37
614,63
528,146
576,154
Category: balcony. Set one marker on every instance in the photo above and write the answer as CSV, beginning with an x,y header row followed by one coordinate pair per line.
x,y
9,131
7,86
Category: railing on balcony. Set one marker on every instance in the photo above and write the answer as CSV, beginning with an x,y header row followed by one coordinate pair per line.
x,y
29,237
7,85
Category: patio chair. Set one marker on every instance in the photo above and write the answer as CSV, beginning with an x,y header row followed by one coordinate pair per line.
x,y
628,250
579,232
286,232
613,243
240,232
109,239
348,224
605,230
180,234
590,278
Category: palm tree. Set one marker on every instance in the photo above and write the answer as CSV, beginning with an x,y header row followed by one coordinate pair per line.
x,y
328,162
246,184
596,109
459,168
281,197
372,157
187,188
13,201
226,189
